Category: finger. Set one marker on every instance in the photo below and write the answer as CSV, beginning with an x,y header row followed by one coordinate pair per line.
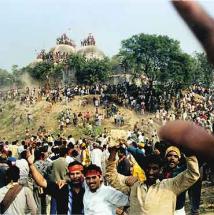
x,y
61,185
199,22
191,137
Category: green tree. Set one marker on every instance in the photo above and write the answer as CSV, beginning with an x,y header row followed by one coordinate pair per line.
x,y
56,71
203,71
5,77
76,62
93,71
160,58
40,71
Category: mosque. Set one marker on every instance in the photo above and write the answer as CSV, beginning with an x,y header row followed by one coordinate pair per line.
x,y
66,46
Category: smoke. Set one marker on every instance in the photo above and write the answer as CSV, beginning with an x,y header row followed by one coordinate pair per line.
x,y
28,81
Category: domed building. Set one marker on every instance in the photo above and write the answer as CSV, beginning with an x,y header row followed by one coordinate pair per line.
x,y
65,46
89,49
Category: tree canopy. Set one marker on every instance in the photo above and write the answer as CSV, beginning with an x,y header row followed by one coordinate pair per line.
x,y
93,71
159,57
203,70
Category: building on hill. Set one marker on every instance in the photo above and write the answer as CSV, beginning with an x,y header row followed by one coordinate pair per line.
x,y
64,48
89,49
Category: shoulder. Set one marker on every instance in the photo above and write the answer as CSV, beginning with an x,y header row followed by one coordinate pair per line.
x,y
108,189
27,190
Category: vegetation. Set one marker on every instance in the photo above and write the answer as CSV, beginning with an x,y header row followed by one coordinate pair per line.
x,y
158,57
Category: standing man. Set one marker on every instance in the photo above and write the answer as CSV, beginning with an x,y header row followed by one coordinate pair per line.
x,y
123,166
96,155
16,199
152,196
100,199
69,198
172,169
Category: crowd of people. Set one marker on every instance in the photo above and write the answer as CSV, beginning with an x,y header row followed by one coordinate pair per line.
x,y
85,166
47,174
40,161
194,103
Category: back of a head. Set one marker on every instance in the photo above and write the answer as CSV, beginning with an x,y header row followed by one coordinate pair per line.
x,y
13,174
70,145
23,154
62,151
121,150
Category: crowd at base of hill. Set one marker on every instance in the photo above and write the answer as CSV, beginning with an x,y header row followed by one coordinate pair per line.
x,y
127,168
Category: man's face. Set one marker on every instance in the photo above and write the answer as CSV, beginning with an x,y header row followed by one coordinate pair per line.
x,y
172,159
152,172
93,182
76,177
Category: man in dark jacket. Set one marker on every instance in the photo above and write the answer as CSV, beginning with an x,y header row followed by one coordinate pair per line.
x,y
69,198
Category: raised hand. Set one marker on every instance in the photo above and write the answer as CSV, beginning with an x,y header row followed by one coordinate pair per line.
x,y
30,156
201,24
189,137
131,180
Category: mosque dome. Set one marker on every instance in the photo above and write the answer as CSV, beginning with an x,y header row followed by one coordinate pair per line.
x,y
91,52
63,48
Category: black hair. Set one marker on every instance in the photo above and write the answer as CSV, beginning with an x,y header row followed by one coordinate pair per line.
x,y
93,167
152,159
134,144
162,146
9,153
23,155
55,150
74,153
122,150
70,145
62,151
12,174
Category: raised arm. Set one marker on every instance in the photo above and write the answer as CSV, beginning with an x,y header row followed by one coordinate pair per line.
x,y
115,179
137,154
201,24
192,139
40,180
187,178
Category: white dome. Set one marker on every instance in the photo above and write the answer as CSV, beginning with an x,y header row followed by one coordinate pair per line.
x,y
91,52
63,48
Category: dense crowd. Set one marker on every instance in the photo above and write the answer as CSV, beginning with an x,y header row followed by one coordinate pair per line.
x,y
113,174
62,159
54,181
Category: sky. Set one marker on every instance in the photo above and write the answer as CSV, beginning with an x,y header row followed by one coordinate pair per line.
x,y
27,26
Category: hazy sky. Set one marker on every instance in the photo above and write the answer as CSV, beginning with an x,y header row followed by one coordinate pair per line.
x,y
27,26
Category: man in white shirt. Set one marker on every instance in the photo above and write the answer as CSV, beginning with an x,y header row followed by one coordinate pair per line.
x,y
22,164
98,198
23,200
96,155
